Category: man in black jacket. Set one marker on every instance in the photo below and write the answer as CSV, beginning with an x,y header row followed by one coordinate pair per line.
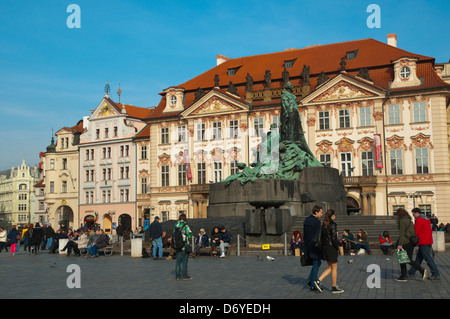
x,y
311,228
156,235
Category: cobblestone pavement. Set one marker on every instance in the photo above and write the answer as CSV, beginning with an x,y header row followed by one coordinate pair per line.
x,y
243,277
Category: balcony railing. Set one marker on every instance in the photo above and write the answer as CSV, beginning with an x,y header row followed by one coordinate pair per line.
x,y
359,180
200,188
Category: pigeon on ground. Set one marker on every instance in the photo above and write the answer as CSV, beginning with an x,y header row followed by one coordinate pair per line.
x,y
270,258
351,261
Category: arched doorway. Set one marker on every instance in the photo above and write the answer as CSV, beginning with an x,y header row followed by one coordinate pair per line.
x,y
125,220
89,221
64,215
352,206
107,223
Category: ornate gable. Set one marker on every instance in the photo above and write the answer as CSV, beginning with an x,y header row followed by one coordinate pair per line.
x,y
343,87
343,90
215,102
104,109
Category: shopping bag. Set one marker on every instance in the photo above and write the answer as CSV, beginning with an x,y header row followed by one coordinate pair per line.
x,y
297,252
402,256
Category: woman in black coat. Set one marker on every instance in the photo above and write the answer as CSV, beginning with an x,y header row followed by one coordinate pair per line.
x,y
37,237
330,248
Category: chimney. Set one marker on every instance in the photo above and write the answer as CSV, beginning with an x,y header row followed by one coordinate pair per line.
x,y
392,39
221,58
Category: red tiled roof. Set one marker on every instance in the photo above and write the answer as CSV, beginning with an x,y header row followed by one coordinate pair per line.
x,y
131,110
372,54
78,128
40,183
144,133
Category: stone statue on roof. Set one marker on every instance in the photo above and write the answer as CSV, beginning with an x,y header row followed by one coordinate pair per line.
x,y
268,78
285,76
249,83
216,80
305,74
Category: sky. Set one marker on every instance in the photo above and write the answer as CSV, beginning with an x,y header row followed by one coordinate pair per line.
x,y
52,75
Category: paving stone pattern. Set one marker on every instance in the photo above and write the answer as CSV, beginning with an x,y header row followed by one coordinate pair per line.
x,y
234,277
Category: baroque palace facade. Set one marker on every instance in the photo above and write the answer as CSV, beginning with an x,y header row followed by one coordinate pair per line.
x,y
374,111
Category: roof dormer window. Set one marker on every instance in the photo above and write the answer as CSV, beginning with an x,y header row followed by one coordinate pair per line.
x,y
232,71
289,63
173,100
351,55
405,72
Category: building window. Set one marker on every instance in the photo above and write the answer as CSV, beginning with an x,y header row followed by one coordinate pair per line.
x,y
201,132
52,164
217,130
344,118
165,135
234,168
201,173
22,207
367,163
394,114
351,55
143,152
232,71
52,187
106,132
182,174
64,163
426,209
182,133
217,172
116,131
144,185
405,72
422,161
325,159
365,118
164,216
64,186
258,124
97,133
419,112
396,162
276,120
22,196
234,128
124,195
289,63
346,164
324,120
165,175
173,100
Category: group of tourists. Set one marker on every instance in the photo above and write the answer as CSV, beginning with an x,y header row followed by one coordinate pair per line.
x,y
320,242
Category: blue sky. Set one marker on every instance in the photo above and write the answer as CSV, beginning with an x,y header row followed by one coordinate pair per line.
x,y
51,76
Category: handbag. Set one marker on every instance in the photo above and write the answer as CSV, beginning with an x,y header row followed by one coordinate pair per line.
x,y
402,257
414,240
304,260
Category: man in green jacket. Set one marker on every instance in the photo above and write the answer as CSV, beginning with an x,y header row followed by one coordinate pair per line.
x,y
182,254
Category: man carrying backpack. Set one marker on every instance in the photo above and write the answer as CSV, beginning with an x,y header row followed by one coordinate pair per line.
x,y
182,249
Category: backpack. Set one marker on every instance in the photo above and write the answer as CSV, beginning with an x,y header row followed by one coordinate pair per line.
x,y
177,239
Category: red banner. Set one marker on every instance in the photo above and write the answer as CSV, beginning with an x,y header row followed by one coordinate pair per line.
x,y
378,152
188,164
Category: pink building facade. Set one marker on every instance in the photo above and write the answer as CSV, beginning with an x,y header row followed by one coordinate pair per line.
x,y
107,159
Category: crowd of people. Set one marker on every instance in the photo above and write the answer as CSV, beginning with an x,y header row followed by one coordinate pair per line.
x,y
320,242
36,238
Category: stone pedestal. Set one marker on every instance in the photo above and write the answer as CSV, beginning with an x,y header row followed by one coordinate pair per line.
x,y
438,241
316,186
62,243
136,247
266,225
